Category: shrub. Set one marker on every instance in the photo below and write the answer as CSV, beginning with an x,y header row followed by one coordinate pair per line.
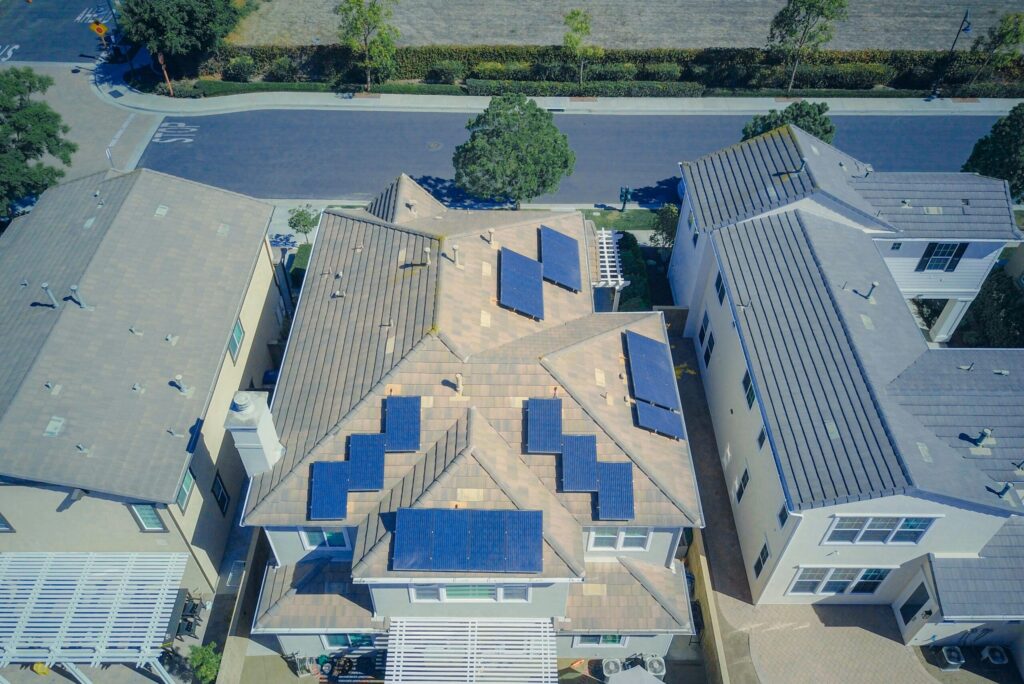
x,y
282,69
587,89
553,71
491,70
300,263
663,71
665,227
240,69
205,662
995,317
447,71
611,72
518,71
636,296
812,93
844,76
217,88
182,89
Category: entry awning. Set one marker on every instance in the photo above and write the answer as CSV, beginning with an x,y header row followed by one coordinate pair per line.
x,y
86,608
471,651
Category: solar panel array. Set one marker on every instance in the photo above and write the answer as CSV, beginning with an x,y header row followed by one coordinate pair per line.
x,y
366,456
579,463
614,491
521,284
543,426
328,490
560,256
468,540
402,424
654,386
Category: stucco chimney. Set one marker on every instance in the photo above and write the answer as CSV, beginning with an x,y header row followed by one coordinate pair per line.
x,y
252,427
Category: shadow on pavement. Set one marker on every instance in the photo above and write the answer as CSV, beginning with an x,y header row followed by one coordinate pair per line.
x,y
653,196
875,619
450,195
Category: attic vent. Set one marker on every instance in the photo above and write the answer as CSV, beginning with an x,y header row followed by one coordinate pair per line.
x,y
905,204
832,430
88,222
934,211
926,454
223,229
161,210
54,427
1001,371
965,202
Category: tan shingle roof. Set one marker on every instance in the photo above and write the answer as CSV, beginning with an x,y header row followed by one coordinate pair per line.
x,y
314,594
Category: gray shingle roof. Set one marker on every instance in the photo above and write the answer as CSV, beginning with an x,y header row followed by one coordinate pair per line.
x,y
148,251
959,206
988,587
405,200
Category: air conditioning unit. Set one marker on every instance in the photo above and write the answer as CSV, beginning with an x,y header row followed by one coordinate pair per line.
x,y
610,666
952,658
995,655
655,665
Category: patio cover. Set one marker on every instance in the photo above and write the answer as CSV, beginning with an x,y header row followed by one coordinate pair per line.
x,y
471,651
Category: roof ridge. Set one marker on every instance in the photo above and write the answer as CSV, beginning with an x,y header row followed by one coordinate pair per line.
x,y
517,223
636,569
367,217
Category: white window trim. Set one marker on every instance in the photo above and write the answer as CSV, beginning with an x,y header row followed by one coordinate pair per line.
x,y
831,568
316,547
576,641
231,340
888,541
619,539
499,594
188,495
142,524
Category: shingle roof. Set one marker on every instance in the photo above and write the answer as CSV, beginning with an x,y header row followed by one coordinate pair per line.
x,y
404,200
959,206
150,252
314,594
989,587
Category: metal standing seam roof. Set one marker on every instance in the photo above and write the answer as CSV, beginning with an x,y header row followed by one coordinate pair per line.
x,y
166,258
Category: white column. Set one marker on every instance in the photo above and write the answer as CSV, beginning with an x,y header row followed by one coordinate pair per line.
x,y
945,325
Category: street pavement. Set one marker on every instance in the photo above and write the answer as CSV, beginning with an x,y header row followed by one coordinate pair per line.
x,y
50,30
353,154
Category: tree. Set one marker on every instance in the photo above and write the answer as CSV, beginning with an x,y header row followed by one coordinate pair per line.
x,y
810,116
303,220
177,28
205,662
29,129
1002,44
802,27
514,152
665,226
578,23
996,316
1000,154
366,29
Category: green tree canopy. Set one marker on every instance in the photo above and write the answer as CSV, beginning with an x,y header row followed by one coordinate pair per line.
x,y
514,152
1000,154
366,28
578,23
205,662
810,116
802,27
177,28
29,129
303,220
665,226
1002,44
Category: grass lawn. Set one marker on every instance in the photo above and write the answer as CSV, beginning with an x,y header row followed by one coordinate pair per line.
x,y
632,219
1020,218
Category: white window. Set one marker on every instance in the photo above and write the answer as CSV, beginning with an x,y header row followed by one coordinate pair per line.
x,y
620,539
148,518
514,593
235,343
320,538
877,530
705,324
424,593
783,516
824,581
470,593
188,483
612,640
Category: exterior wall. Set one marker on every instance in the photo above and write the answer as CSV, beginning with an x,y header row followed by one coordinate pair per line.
x,y
957,531
202,522
289,547
964,282
686,257
661,547
1015,264
546,600
648,644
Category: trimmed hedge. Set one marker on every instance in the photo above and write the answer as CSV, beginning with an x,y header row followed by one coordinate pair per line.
x,y
476,86
218,88
812,93
835,76
447,71
240,69
663,71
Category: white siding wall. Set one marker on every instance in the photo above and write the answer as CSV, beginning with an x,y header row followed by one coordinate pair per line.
x,y
661,548
684,269
964,282
289,547
648,644
547,600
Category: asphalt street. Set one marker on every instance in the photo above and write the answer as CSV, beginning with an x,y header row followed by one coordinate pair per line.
x,y
352,155
50,30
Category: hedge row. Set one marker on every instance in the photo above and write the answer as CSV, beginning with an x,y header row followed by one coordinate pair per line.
x,y
210,88
475,86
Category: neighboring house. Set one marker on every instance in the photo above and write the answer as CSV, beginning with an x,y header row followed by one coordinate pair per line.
x,y
134,306
443,457
866,464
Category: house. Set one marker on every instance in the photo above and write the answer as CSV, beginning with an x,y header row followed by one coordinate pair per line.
x,y
463,462
133,307
868,464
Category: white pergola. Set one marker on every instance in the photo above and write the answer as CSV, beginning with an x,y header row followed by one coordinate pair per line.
x,y
609,265
71,609
474,651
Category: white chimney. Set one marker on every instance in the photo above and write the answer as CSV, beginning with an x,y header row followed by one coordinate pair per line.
x,y
252,427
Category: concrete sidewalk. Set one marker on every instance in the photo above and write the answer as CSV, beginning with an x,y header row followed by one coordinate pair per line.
x,y
110,85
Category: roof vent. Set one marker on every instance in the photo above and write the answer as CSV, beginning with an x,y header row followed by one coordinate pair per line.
x,y
968,367
1001,371
161,211
82,449
490,236
983,438
179,384
76,296
455,252
458,384
905,204
965,202
426,256
54,426
171,338
1007,486
132,330
933,211
53,300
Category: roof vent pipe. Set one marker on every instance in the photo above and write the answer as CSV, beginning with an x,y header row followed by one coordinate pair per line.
x,y
180,385
53,300
490,236
871,291
455,252
77,296
458,384
983,438
426,255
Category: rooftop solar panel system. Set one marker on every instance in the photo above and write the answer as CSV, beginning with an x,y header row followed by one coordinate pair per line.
x,y
543,426
521,284
579,463
366,462
402,424
614,491
657,419
468,540
560,256
328,490
650,367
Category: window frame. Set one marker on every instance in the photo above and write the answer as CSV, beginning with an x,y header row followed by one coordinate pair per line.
x,y
890,538
442,593
577,640
181,488
858,579
895,247
234,347
741,485
762,559
782,516
348,637
720,287
709,348
325,532
748,389
705,326
142,523
5,525
620,536
762,437
219,482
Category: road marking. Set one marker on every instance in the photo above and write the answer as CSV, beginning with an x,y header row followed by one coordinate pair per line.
x,y
174,132
98,13
121,130
7,51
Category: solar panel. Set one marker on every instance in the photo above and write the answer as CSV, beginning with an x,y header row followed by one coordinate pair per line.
x,y
650,367
328,490
579,463
614,491
560,256
521,284
402,424
657,419
467,540
366,459
543,426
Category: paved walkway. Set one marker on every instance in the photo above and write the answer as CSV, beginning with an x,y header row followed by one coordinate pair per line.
x,y
918,24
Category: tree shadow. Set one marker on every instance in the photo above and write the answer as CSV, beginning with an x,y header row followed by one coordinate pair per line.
x,y
653,196
447,193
